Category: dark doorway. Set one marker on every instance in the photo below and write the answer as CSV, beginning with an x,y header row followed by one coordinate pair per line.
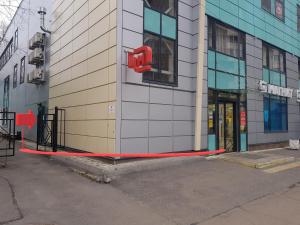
x,y
227,126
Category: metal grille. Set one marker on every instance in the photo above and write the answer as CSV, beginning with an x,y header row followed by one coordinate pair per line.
x,y
7,134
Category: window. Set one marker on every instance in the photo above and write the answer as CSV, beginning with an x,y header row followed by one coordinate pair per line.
x,y
7,54
275,114
273,58
266,4
15,77
22,70
164,6
275,7
160,33
225,40
5,101
274,65
16,40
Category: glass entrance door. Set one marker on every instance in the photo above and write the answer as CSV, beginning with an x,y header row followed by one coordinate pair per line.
x,y
227,137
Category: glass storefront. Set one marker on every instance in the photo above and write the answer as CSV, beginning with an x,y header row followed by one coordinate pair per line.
x,y
227,113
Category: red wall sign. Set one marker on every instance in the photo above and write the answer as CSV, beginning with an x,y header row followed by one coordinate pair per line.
x,y
243,119
140,59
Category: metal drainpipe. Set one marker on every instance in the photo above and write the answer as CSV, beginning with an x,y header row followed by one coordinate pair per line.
x,y
42,12
200,65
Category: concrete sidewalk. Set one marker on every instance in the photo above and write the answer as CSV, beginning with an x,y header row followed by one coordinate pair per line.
x,y
276,209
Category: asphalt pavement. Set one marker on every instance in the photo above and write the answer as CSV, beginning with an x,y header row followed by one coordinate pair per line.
x,y
35,190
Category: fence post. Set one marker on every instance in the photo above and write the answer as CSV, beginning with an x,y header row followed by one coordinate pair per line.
x,y
54,131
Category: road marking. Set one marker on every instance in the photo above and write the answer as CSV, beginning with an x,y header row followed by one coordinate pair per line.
x,y
283,167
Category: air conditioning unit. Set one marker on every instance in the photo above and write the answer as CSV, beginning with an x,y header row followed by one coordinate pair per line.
x,y
36,76
36,41
36,57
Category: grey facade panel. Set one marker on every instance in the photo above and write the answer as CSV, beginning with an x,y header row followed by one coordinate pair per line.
x,y
167,111
256,132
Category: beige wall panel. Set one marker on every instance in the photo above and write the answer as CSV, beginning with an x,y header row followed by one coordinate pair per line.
x,y
112,92
83,72
113,19
98,62
98,78
112,75
93,4
81,13
97,111
97,145
98,13
113,5
66,51
79,56
76,113
78,3
111,145
98,45
80,27
97,128
97,95
112,54
80,41
112,128
99,29
79,70
112,37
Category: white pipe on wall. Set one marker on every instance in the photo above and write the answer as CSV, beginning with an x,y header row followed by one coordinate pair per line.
x,y
200,65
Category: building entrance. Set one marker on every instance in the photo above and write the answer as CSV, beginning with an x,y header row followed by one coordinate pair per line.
x,y
226,126
227,121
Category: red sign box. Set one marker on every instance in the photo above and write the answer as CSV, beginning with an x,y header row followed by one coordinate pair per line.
x,y
243,119
140,59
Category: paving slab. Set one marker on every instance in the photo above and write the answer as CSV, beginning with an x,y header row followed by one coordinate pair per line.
x,y
258,160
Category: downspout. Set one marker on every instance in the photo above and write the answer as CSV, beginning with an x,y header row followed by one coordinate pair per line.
x,y
42,12
200,65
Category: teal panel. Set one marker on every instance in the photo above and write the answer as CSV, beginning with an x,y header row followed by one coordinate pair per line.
x,y
211,77
151,21
242,68
274,78
266,75
227,81
243,142
212,142
168,27
283,83
249,17
242,83
211,58
227,64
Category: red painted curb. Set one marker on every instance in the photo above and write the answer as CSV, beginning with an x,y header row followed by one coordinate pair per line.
x,y
145,155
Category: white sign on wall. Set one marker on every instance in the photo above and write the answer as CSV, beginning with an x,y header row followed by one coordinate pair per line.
x,y
275,90
298,95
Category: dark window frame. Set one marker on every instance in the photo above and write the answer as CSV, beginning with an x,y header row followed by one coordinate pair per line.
x,y
16,42
7,54
160,36
268,46
15,76
22,70
270,10
6,91
241,38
